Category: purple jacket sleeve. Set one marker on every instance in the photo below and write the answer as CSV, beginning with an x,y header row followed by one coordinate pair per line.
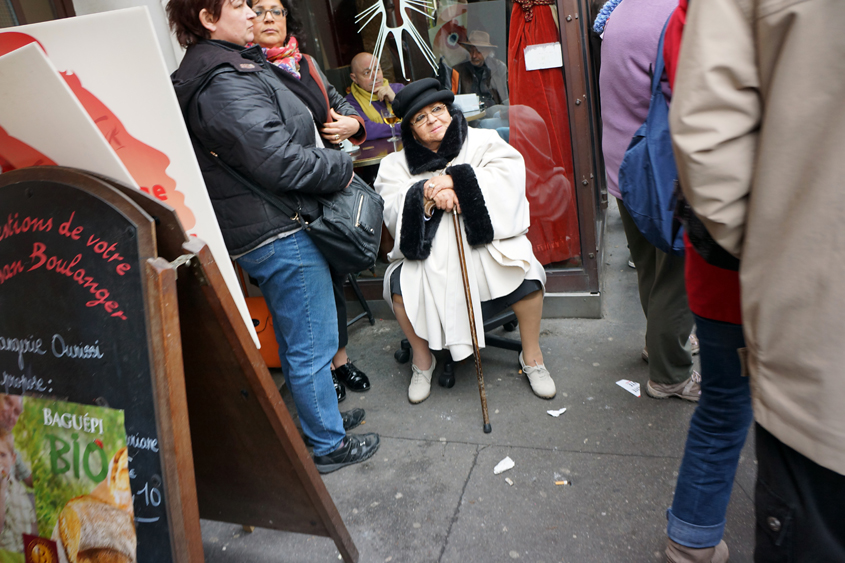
x,y
374,130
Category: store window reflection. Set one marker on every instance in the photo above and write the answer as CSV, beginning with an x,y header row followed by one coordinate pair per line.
x,y
7,14
479,48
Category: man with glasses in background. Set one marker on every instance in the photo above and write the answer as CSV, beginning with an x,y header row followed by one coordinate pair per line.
x,y
370,101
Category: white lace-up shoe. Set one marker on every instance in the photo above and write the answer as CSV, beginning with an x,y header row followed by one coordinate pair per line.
x,y
420,387
541,380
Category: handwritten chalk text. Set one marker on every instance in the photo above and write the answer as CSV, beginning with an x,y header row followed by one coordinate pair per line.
x,y
77,351
22,346
14,225
142,443
39,259
25,383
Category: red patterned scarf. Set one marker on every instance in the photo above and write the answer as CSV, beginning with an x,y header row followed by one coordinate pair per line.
x,y
286,57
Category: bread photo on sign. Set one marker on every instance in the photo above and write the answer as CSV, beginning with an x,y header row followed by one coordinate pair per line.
x,y
100,527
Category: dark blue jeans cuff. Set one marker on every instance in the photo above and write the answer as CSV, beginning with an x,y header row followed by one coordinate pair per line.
x,y
690,535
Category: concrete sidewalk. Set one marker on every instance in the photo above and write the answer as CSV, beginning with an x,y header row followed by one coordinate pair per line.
x,y
430,495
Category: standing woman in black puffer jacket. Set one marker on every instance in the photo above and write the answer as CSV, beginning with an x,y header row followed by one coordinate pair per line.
x,y
268,130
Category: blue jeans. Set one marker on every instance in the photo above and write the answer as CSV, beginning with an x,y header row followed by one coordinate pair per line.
x,y
294,278
717,433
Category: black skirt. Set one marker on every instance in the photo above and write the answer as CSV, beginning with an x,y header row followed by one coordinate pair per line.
x,y
488,308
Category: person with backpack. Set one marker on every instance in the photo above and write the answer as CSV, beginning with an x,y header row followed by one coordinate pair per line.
x,y
629,49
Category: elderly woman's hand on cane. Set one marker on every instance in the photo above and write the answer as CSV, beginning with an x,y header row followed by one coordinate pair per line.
x,y
439,192
436,184
442,201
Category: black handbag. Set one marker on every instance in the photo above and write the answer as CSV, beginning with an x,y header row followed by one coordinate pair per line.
x,y
348,231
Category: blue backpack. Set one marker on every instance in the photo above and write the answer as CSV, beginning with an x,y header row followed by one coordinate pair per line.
x,y
648,175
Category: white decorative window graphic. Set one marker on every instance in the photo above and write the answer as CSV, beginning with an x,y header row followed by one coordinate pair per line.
x,y
404,6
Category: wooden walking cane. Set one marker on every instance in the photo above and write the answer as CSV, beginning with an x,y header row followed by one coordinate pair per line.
x,y
476,352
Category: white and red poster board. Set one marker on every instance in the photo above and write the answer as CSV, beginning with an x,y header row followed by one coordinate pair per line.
x,y
112,64
46,114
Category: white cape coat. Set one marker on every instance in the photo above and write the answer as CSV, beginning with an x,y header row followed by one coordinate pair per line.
x,y
432,289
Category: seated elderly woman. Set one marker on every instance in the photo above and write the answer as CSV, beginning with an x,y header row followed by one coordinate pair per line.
x,y
475,172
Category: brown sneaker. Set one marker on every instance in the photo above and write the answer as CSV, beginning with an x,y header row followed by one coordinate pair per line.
x,y
689,390
677,553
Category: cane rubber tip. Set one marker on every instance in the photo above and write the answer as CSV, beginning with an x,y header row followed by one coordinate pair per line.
x,y
487,428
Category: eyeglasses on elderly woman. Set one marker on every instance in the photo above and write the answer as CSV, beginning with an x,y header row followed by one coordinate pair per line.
x,y
422,116
277,13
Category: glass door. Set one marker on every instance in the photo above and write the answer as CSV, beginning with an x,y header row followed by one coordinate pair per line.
x,y
525,72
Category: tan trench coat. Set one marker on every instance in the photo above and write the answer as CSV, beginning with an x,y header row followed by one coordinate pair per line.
x,y
758,122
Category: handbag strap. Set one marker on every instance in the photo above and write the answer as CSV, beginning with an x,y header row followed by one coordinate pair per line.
x,y
276,202
658,63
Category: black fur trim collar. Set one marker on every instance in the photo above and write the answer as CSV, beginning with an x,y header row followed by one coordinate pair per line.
x,y
421,159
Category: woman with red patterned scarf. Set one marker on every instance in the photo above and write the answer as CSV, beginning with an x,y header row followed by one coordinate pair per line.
x,y
276,28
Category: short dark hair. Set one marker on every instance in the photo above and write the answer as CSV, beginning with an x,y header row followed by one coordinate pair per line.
x,y
184,18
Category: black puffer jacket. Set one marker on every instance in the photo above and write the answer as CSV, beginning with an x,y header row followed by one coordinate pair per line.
x,y
237,107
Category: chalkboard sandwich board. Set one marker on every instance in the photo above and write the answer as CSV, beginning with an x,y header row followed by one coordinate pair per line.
x,y
83,337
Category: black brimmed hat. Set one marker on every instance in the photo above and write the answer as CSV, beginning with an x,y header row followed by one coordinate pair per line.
x,y
416,95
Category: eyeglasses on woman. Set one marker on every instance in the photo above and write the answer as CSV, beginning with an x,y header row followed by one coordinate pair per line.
x,y
277,13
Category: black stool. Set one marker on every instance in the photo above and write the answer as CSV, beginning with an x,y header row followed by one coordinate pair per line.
x,y
505,319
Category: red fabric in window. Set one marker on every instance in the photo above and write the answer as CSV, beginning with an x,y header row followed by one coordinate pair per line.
x,y
539,130
713,293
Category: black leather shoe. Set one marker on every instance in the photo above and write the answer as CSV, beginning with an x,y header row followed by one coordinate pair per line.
x,y
355,448
352,419
339,388
355,379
